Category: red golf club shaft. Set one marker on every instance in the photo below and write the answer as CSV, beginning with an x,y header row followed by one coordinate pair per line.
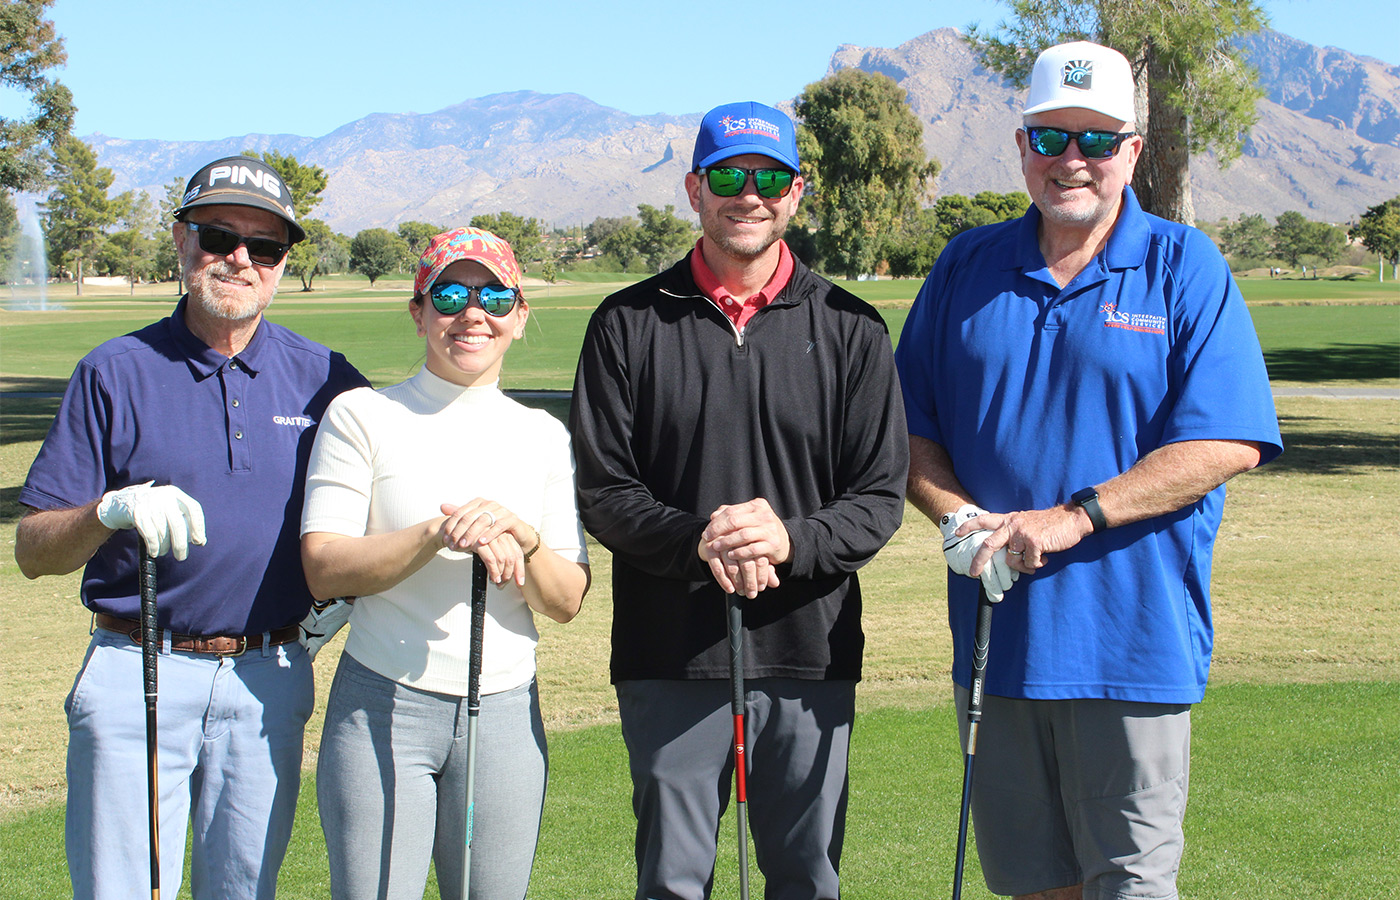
x,y
736,685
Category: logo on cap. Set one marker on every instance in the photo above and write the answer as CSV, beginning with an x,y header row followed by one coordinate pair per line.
x,y
241,175
751,125
1079,74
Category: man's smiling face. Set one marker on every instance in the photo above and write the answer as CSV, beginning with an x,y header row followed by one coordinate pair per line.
x,y
1068,189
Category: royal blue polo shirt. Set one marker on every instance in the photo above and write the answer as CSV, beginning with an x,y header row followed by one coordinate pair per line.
x,y
1037,391
234,433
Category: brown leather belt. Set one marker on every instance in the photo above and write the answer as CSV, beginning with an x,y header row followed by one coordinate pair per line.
x,y
223,645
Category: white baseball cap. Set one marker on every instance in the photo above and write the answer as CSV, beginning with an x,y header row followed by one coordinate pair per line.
x,y
1082,75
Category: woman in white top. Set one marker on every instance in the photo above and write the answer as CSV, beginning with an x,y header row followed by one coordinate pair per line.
x,y
405,485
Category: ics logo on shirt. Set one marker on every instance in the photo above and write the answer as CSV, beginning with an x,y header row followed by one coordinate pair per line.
x,y
1143,322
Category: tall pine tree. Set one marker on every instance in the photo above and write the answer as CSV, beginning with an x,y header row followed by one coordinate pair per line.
x,y
78,210
1194,90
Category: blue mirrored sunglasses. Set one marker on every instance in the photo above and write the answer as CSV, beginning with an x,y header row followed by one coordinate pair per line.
x,y
1093,144
450,298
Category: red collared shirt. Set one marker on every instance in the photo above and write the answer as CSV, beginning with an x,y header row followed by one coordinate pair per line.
x,y
740,311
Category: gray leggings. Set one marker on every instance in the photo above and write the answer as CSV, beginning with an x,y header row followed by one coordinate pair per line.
x,y
391,783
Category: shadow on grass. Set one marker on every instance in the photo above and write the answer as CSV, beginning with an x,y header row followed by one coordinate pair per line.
x,y
1334,362
28,418
1332,452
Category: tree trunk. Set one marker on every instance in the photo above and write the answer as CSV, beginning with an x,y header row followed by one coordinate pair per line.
x,y
1163,180
80,274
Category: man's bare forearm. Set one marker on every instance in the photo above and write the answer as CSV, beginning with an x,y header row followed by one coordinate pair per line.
x,y
933,488
58,541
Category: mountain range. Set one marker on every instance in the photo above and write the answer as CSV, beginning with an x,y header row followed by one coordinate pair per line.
x,y
1327,144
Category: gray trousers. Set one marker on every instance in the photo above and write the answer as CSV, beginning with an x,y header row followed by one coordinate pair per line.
x,y
391,783
680,737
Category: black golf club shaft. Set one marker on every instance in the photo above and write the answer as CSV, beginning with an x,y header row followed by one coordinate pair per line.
x,y
736,686
146,582
981,640
473,709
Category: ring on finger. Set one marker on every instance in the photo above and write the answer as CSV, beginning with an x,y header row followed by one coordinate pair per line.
x,y
489,515
1015,552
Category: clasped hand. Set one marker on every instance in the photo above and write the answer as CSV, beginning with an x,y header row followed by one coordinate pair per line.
x,y
1024,539
743,546
497,536
965,537
167,519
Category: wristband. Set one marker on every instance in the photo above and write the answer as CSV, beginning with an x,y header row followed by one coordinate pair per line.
x,y
538,543
1088,500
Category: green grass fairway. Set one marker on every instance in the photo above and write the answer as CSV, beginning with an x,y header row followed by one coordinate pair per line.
x,y
1295,788
1329,345
1292,794
1307,340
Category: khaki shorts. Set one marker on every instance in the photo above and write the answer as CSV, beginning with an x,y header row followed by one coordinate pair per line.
x,y
1088,792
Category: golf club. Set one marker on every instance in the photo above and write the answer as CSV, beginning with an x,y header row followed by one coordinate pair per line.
x,y
980,642
736,686
146,581
473,709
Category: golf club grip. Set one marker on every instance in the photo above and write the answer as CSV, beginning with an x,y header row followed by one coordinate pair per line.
x,y
478,633
146,582
736,653
981,642
736,687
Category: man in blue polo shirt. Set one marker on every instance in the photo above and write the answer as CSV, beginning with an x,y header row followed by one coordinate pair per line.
x,y
189,438
1079,385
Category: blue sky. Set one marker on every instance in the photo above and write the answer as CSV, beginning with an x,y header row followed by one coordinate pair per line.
x,y
205,70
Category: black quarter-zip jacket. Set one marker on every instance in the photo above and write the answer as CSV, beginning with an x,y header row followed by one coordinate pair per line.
x,y
675,414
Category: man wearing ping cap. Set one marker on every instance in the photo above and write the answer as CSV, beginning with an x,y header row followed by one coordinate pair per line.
x,y
189,439
1079,385
738,429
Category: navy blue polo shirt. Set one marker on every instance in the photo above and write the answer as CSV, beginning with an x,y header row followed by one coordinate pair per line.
x,y
233,433
1037,391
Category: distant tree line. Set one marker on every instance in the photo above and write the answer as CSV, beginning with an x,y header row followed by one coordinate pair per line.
x,y
1294,241
89,231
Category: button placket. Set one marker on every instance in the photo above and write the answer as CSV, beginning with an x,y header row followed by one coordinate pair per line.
x,y
235,383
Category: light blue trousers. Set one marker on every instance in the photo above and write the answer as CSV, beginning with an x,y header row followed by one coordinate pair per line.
x,y
229,755
391,782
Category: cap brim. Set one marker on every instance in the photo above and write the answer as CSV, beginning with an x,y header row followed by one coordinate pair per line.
x,y
743,149
295,234
488,264
1052,105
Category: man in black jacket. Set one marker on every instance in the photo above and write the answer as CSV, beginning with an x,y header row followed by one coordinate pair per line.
x,y
738,428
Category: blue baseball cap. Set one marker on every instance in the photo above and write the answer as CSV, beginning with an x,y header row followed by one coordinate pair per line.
x,y
747,127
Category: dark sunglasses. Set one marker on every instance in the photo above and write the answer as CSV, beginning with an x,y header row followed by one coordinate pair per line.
x,y
729,181
222,242
450,298
1093,144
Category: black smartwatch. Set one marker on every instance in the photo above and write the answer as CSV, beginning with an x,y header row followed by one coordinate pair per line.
x,y
1088,498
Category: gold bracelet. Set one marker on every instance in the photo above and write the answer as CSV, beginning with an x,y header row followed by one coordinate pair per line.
x,y
531,552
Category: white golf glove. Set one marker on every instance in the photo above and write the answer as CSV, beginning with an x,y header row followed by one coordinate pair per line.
x,y
325,619
167,518
997,576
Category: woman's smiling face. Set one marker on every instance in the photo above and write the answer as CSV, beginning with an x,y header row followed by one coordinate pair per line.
x,y
468,347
